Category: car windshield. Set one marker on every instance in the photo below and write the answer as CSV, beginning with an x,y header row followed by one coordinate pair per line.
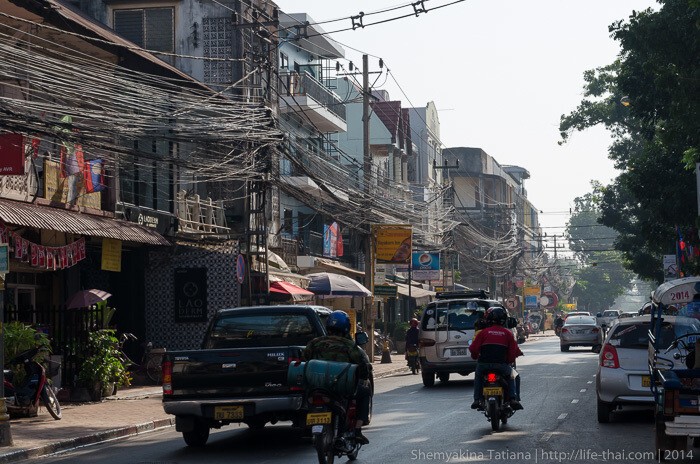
x,y
637,335
455,315
610,313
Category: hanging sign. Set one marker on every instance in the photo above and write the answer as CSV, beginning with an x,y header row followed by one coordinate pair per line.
x,y
111,255
11,155
4,258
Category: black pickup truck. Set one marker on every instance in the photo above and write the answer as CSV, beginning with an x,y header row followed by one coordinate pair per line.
x,y
240,373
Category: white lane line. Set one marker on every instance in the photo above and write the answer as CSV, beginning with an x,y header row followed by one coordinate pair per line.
x,y
583,390
562,416
546,436
574,401
590,381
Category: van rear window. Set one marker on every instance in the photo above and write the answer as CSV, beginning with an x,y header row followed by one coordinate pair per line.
x,y
456,315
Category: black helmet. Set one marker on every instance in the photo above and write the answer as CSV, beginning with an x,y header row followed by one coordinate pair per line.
x,y
496,315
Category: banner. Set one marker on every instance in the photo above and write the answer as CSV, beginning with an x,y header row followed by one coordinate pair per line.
x,y
393,243
111,255
11,155
332,241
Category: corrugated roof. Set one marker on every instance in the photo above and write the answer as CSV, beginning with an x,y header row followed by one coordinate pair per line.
x,y
45,217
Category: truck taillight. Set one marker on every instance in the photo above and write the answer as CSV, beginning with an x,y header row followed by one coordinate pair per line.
x,y
608,358
167,377
426,342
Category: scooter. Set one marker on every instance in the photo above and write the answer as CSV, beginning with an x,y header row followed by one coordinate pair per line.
x,y
496,409
412,358
22,400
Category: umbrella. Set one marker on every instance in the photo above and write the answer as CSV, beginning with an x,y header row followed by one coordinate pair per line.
x,y
85,298
286,290
327,283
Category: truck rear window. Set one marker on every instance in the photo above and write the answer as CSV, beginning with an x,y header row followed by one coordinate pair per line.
x,y
261,330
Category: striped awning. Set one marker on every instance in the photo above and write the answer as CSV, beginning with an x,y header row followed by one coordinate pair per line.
x,y
71,222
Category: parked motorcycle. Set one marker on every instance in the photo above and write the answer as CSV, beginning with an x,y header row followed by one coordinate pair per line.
x,y
496,409
23,399
412,358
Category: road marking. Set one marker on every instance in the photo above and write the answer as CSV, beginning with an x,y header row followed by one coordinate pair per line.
x,y
590,381
562,416
583,390
574,401
546,436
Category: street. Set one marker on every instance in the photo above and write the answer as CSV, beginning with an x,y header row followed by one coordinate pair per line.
x,y
416,424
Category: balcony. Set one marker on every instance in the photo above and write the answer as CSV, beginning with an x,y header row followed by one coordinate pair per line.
x,y
302,93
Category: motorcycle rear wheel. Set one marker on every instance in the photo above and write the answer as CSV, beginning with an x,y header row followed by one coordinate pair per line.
x,y
494,416
48,397
323,442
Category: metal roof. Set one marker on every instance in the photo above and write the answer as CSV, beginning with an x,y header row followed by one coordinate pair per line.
x,y
71,222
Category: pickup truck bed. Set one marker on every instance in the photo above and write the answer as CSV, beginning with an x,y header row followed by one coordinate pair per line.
x,y
240,374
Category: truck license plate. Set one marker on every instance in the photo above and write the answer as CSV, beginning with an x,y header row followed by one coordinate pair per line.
x,y
493,391
646,381
314,418
228,412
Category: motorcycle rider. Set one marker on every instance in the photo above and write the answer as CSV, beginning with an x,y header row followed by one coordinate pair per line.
x,y
412,333
558,324
338,346
495,349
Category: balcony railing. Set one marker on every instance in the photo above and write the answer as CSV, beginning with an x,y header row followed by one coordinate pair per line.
x,y
197,216
295,84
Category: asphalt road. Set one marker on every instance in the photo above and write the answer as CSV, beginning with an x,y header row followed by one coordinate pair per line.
x,y
416,424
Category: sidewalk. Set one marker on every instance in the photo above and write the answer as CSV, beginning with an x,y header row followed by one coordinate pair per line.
x,y
132,411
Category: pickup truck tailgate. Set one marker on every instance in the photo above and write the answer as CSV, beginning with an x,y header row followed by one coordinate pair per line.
x,y
255,371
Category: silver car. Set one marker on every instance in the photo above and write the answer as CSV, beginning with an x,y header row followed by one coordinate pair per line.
x,y
580,331
623,372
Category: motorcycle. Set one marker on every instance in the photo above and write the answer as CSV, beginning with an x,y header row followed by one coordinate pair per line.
x,y
412,358
23,399
522,333
332,419
496,409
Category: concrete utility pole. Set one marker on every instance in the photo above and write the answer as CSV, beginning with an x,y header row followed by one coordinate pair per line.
x,y
5,431
367,178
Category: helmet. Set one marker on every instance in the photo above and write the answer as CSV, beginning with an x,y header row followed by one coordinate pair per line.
x,y
414,322
338,322
496,315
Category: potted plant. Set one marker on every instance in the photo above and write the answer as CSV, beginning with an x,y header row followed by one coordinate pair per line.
x,y
104,368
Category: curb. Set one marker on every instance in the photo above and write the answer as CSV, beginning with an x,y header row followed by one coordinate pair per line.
x,y
72,443
391,372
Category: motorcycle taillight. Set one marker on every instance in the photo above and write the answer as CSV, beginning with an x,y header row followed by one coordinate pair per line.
x,y
491,377
318,399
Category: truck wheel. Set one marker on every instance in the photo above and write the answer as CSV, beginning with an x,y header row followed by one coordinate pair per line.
x,y
428,379
198,436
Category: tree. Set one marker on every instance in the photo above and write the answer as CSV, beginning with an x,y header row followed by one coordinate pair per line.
x,y
649,100
602,276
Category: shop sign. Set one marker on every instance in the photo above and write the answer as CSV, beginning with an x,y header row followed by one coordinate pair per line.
x,y
190,295
111,255
11,155
160,222
386,290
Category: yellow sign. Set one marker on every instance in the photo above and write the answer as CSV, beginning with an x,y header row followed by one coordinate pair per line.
x,y
393,243
352,314
111,255
56,188
532,290
569,306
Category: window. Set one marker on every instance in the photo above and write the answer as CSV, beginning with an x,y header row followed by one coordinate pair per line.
x,y
284,61
457,315
150,28
261,330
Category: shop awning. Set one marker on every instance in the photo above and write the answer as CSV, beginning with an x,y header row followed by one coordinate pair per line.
x,y
421,295
281,276
287,290
336,266
71,222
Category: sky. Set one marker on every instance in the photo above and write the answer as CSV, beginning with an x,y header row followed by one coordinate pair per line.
x,y
501,74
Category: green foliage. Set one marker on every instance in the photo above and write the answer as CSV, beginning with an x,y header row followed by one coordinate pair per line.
x,y
399,333
656,138
19,337
104,363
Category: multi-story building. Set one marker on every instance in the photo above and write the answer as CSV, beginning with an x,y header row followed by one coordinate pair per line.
x,y
500,225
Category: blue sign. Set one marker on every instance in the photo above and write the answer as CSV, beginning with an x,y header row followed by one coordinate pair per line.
x,y
4,258
240,268
531,301
425,261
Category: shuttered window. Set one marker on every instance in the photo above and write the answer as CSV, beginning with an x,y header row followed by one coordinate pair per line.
x,y
150,28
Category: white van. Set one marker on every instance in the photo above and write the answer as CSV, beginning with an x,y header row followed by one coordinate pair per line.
x,y
446,331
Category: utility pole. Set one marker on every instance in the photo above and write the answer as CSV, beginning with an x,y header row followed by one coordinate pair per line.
x,y
367,178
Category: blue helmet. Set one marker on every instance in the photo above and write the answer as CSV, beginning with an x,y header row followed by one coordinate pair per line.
x,y
338,322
